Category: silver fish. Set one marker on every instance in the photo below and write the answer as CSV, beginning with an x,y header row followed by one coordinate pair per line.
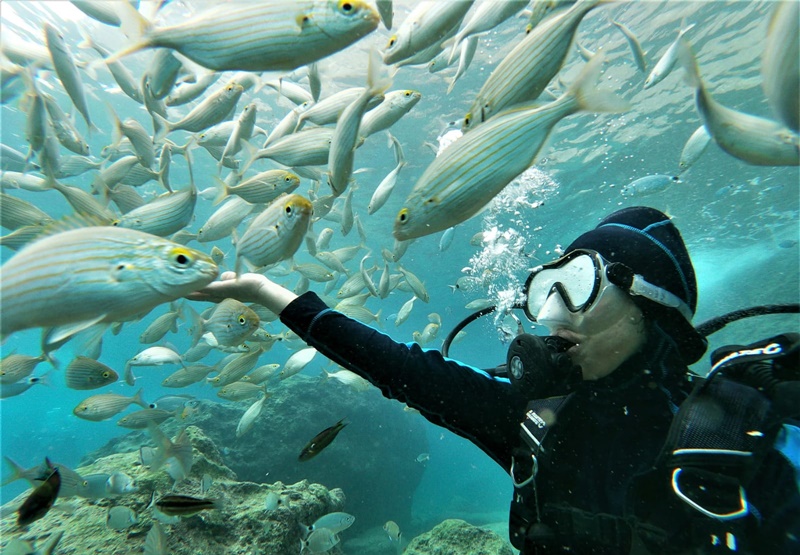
x,y
164,215
96,274
780,66
529,67
633,42
231,322
104,406
214,109
694,148
86,373
263,36
667,61
276,233
67,73
427,23
755,140
261,188
224,220
477,166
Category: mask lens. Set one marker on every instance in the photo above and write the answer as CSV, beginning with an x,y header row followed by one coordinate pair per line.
x,y
578,284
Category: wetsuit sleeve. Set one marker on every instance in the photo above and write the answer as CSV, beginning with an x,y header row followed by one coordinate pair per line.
x,y
463,399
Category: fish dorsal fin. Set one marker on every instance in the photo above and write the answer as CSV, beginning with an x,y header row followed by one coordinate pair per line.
x,y
70,222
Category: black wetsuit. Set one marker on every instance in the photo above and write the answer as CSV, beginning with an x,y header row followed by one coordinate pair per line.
x,y
611,431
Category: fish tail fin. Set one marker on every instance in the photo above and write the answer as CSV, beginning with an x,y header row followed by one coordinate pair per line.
x,y
591,99
456,42
376,83
139,400
17,471
685,28
195,325
689,63
134,26
162,127
451,82
222,190
250,156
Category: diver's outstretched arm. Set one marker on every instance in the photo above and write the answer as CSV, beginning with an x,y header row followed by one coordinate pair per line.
x,y
247,288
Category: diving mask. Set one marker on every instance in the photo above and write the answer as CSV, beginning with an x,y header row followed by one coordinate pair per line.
x,y
582,277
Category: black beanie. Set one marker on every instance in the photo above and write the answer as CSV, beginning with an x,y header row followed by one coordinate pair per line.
x,y
646,240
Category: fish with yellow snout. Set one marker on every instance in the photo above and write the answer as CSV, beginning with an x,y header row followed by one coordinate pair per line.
x,y
321,441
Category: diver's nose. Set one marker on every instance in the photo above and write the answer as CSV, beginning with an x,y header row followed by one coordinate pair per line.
x,y
554,312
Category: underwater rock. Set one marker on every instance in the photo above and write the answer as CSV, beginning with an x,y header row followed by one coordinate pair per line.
x,y
243,525
456,537
372,459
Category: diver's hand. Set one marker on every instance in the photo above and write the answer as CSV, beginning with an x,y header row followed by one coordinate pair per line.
x,y
247,288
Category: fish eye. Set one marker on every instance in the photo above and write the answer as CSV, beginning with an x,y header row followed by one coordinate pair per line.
x,y
467,120
402,216
408,93
288,209
181,257
345,7
392,41
106,374
115,223
242,320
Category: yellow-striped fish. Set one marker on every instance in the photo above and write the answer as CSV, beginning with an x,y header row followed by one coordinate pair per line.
x,y
103,406
276,233
395,105
262,188
231,322
267,35
529,67
478,165
164,215
88,373
85,276
427,24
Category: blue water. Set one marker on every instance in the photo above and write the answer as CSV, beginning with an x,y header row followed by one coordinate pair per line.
x,y
740,222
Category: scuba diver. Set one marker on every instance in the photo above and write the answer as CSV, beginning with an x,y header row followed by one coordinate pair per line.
x,y
612,444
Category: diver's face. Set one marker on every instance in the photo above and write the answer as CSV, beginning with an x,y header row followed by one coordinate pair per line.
x,y
605,336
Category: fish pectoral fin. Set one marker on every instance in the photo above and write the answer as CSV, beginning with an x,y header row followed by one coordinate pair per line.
x,y
60,333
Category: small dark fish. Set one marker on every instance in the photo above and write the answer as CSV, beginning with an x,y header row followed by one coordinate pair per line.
x,y
185,505
321,441
41,499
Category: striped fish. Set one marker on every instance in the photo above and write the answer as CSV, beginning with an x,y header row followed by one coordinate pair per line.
x,y
345,136
224,220
124,78
395,105
16,213
633,43
276,233
104,406
96,274
486,17
231,322
259,36
478,165
328,110
87,373
309,147
242,130
236,368
262,188
67,73
211,111
187,375
428,23
529,67
15,367
164,215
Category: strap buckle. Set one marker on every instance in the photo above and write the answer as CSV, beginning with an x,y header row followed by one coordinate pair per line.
x,y
529,479
743,509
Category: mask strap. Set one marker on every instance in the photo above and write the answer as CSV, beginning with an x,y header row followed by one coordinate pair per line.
x,y
622,276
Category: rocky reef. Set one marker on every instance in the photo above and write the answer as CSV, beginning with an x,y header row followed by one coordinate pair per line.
x,y
456,537
242,526
373,460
